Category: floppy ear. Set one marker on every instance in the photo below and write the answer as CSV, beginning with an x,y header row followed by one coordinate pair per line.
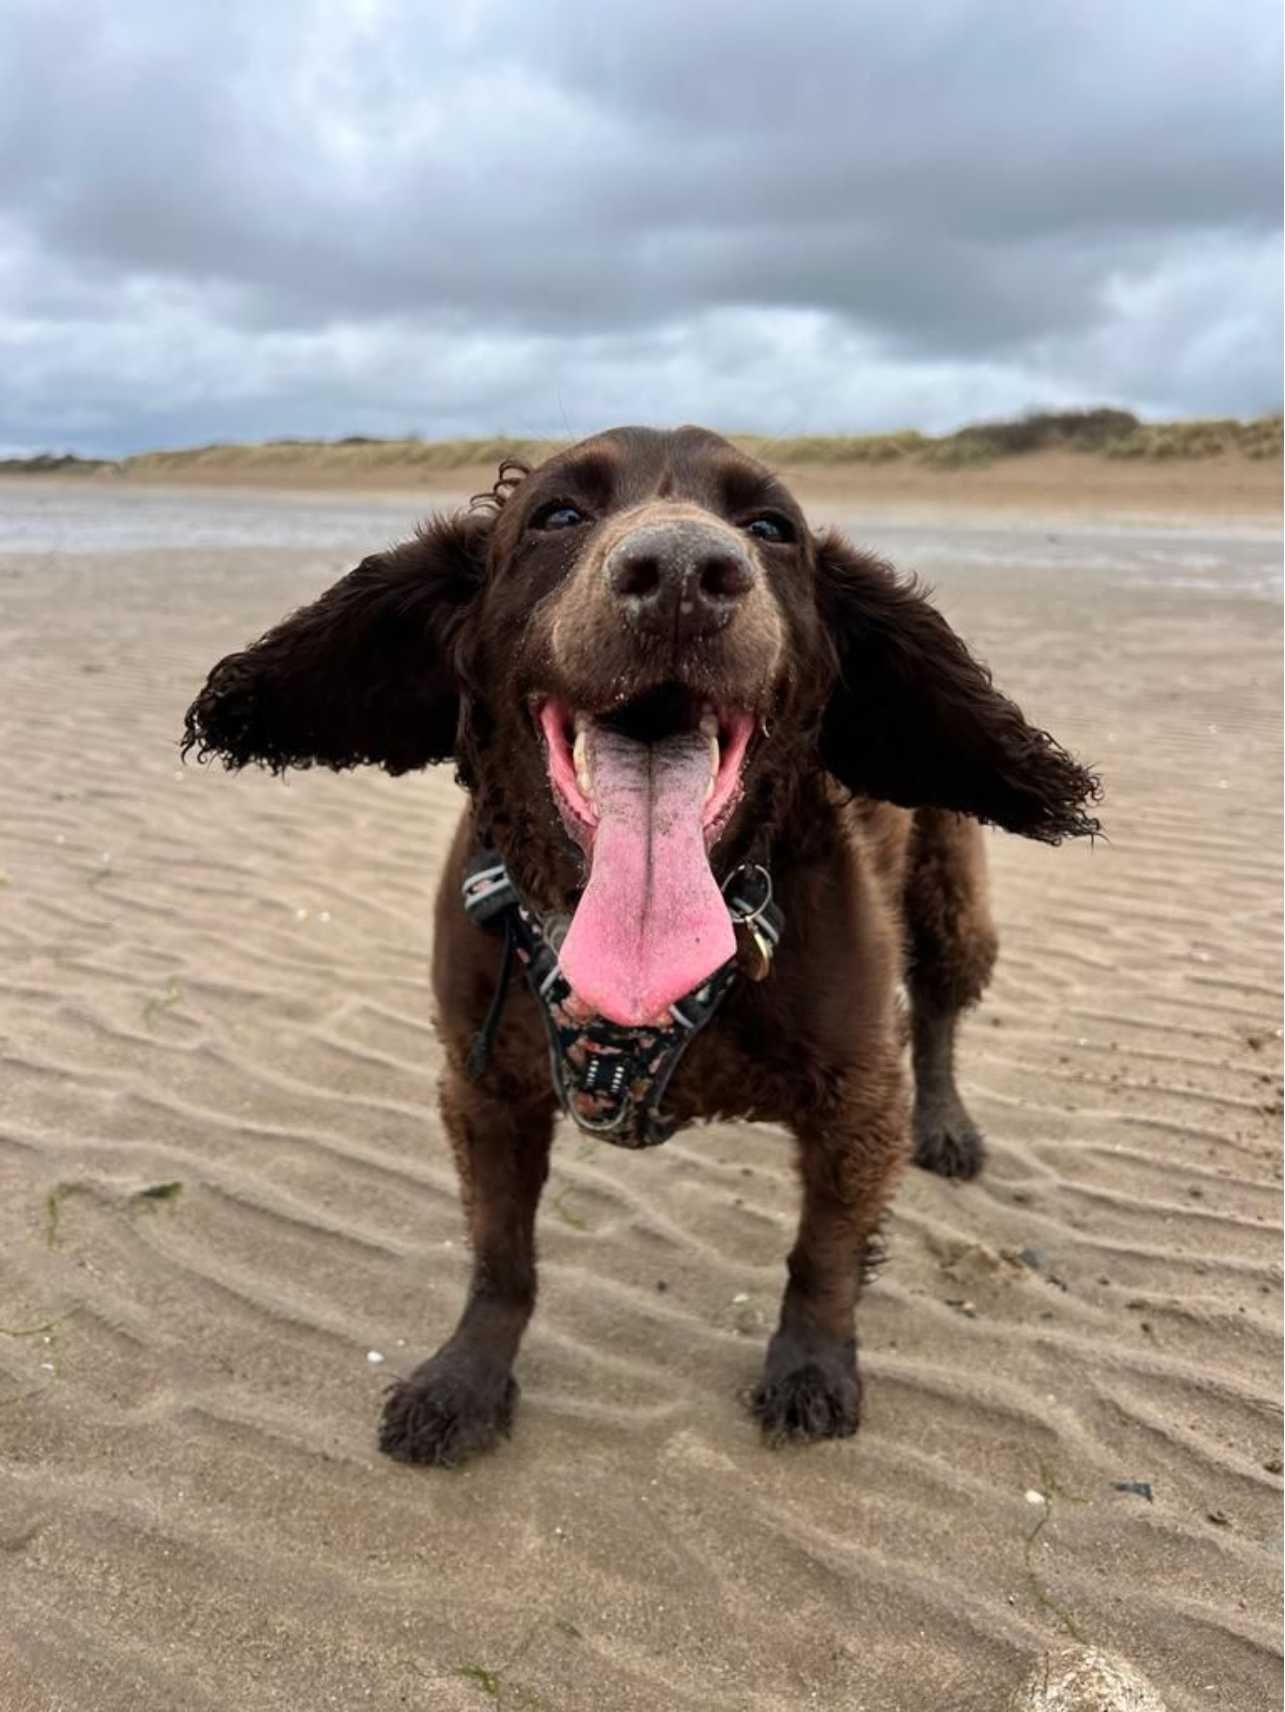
x,y
364,674
915,720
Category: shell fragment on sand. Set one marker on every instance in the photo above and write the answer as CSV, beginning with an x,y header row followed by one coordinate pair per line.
x,y
1082,1679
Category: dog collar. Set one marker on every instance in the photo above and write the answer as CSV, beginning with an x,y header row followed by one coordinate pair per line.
x,y
610,1079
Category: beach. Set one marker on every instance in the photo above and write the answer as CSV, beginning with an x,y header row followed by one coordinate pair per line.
x,y
228,1214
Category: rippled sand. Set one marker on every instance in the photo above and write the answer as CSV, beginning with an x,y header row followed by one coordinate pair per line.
x,y
220,984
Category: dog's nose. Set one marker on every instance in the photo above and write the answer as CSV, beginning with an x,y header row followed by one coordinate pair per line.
x,y
682,579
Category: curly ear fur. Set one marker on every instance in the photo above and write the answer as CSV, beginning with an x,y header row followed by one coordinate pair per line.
x,y
915,720
364,675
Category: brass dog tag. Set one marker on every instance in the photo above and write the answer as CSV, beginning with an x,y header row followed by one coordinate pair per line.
x,y
753,951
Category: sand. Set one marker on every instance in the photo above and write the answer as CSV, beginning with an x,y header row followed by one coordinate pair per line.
x,y
224,1193
1048,484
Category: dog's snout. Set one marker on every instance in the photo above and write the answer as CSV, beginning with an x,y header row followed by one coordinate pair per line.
x,y
682,578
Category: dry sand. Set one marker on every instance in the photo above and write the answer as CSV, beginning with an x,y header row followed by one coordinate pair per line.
x,y
1054,484
220,983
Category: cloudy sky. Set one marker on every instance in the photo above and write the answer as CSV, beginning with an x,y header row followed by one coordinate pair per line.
x,y
542,216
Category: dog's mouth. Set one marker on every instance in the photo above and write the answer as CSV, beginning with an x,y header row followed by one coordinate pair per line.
x,y
646,790
655,732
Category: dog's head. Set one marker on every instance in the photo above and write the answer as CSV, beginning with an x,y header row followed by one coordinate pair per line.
x,y
634,654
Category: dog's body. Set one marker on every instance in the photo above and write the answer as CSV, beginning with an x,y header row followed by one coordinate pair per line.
x,y
648,671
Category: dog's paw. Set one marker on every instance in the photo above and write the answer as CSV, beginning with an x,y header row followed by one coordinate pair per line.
x,y
452,1407
807,1394
948,1142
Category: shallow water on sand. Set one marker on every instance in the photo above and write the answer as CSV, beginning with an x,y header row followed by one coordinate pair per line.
x,y
1233,559
45,517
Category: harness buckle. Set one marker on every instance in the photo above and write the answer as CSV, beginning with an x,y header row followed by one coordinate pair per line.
x,y
486,888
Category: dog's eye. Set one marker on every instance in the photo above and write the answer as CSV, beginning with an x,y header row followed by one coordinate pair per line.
x,y
771,526
558,515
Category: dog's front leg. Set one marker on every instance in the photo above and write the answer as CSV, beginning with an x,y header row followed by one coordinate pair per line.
x,y
810,1387
460,1401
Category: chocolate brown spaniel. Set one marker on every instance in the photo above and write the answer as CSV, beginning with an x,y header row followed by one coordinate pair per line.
x,y
726,779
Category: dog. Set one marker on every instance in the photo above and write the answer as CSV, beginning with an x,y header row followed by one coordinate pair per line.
x,y
726,781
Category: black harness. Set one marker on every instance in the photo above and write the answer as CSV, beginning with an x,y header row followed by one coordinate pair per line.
x,y
610,1079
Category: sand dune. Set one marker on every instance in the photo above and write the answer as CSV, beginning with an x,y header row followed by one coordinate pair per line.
x,y
224,1191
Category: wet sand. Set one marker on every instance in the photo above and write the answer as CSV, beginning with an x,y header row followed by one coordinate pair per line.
x,y
216,989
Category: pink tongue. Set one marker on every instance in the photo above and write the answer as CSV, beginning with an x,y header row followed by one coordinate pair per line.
x,y
652,923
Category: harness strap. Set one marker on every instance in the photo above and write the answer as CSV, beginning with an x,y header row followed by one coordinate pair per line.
x,y
609,1079
484,1039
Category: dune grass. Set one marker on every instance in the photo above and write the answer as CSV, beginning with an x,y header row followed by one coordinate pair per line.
x,y
356,454
1103,432
55,464
1209,439
1106,432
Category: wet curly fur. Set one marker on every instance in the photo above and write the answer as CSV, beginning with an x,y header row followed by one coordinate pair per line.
x,y
808,1393
888,746
446,1412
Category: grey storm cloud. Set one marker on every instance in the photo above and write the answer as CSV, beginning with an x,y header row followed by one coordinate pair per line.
x,y
357,216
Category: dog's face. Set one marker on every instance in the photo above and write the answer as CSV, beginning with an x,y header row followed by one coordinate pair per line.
x,y
647,620
635,654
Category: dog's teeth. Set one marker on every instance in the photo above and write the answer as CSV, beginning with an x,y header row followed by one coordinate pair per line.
x,y
580,758
580,722
709,788
708,729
